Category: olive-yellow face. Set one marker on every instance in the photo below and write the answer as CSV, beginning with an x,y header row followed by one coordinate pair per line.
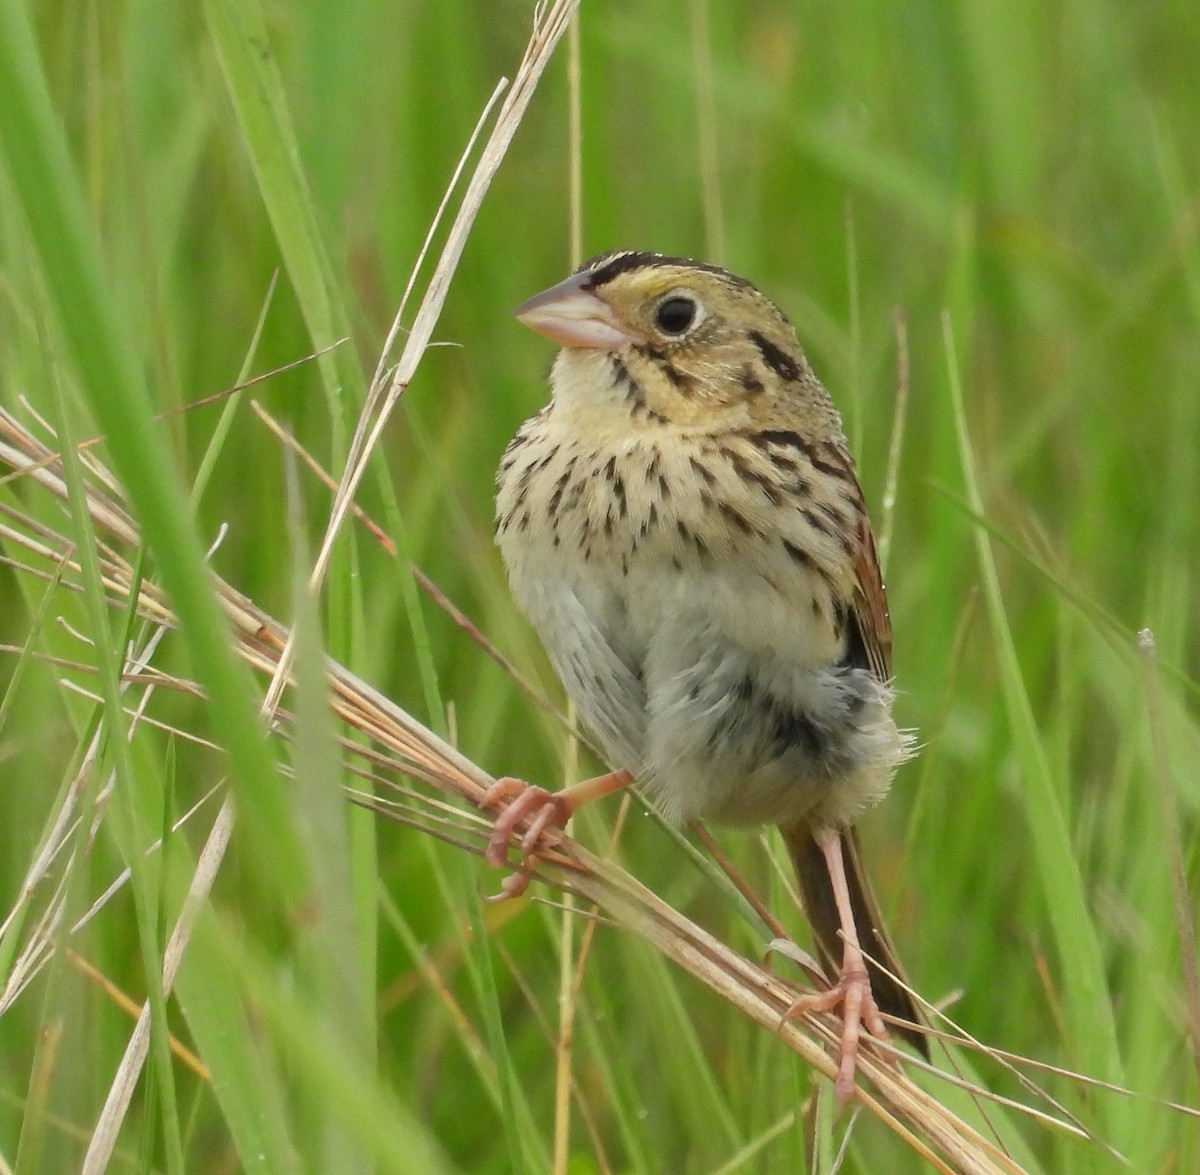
x,y
673,309
662,306
693,337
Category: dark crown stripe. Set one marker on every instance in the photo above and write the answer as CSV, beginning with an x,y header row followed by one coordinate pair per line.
x,y
606,266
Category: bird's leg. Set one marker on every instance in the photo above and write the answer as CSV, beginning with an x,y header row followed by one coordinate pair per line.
x,y
853,988
543,810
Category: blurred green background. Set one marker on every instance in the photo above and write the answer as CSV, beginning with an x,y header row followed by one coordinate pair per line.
x,y
1019,182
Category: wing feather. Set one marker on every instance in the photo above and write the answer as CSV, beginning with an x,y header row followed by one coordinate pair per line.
x,y
868,608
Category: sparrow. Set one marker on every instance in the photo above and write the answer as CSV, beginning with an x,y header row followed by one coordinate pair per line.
x,y
684,527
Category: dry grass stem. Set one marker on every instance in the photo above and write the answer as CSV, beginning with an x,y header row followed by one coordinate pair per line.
x,y
402,745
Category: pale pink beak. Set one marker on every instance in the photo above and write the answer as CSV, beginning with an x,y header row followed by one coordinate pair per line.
x,y
574,317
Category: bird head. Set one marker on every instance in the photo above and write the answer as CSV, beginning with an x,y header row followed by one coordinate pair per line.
x,y
694,345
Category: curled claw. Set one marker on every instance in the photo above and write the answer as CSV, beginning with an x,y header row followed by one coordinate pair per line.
x,y
541,808
852,993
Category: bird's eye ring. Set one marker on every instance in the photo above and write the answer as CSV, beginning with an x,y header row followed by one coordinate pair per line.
x,y
675,314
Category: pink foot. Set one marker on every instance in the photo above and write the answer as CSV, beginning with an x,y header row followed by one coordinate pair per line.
x,y
541,808
852,993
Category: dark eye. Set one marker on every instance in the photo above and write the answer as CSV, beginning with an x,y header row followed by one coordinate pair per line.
x,y
675,315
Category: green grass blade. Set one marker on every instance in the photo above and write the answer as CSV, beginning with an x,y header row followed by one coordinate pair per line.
x,y
1090,1022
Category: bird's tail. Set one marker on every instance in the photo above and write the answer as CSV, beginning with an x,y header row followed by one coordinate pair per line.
x,y
816,892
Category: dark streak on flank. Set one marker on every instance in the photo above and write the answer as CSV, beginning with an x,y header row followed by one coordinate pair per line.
x,y
689,536
705,473
535,467
832,461
777,359
575,496
831,525
622,501
819,522
795,463
784,462
798,554
522,494
783,437
737,519
751,476
560,487
835,516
